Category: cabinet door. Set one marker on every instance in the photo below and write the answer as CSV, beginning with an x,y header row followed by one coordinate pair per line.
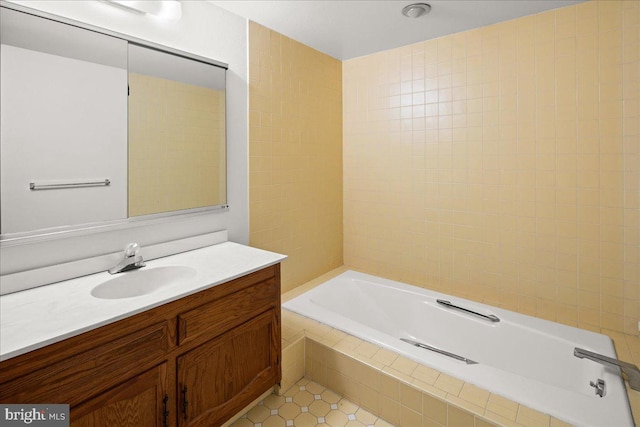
x,y
222,376
138,402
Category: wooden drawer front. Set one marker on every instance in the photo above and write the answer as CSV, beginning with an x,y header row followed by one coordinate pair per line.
x,y
78,377
217,317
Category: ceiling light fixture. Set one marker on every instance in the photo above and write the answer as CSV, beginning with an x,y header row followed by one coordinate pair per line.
x,y
416,10
170,10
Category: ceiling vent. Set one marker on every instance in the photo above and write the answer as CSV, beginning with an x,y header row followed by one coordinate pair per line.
x,y
416,10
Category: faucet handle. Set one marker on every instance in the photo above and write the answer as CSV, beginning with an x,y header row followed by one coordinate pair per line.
x,y
131,250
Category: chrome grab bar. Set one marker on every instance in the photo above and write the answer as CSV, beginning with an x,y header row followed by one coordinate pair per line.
x,y
631,371
440,351
490,317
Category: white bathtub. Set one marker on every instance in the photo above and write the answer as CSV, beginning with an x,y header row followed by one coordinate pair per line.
x,y
522,358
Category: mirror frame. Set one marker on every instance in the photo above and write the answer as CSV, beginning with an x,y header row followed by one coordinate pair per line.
x,y
45,234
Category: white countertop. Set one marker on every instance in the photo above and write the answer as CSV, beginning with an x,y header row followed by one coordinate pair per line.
x,y
41,316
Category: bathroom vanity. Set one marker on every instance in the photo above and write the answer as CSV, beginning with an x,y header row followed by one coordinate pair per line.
x,y
192,356
188,340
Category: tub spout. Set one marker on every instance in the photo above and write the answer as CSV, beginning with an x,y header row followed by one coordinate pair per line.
x,y
631,371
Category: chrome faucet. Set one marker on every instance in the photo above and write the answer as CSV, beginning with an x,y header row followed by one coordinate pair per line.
x,y
132,260
631,371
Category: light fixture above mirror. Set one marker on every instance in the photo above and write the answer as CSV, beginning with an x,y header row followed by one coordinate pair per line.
x,y
170,10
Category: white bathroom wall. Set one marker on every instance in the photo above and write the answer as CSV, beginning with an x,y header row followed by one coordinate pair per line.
x,y
204,30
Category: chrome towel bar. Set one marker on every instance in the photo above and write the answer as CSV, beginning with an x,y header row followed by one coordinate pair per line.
x,y
439,351
490,317
80,184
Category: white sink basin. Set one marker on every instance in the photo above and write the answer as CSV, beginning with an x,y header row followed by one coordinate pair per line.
x,y
142,282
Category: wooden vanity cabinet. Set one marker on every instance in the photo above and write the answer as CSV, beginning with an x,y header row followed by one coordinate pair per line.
x,y
196,361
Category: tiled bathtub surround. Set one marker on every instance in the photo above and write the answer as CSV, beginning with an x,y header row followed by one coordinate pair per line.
x,y
400,390
502,164
295,154
499,164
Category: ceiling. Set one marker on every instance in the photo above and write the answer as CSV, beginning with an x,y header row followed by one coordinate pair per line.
x,y
347,29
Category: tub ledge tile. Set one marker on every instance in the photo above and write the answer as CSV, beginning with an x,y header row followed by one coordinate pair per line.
x,y
429,389
532,418
449,384
464,404
500,420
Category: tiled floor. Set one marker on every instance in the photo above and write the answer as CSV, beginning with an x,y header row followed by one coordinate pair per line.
x,y
308,404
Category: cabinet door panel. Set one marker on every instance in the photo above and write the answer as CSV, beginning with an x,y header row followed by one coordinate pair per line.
x,y
75,378
225,374
135,403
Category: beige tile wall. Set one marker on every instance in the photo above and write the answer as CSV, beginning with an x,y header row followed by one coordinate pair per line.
x,y
295,149
501,164
171,168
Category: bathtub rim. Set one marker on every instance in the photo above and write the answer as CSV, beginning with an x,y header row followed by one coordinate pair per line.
x,y
602,337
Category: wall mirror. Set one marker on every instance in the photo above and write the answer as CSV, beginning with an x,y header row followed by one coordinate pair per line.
x,y
98,128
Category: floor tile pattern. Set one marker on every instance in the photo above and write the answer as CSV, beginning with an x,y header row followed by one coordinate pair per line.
x,y
308,404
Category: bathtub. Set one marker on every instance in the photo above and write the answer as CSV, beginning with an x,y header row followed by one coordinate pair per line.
x,y
528,360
